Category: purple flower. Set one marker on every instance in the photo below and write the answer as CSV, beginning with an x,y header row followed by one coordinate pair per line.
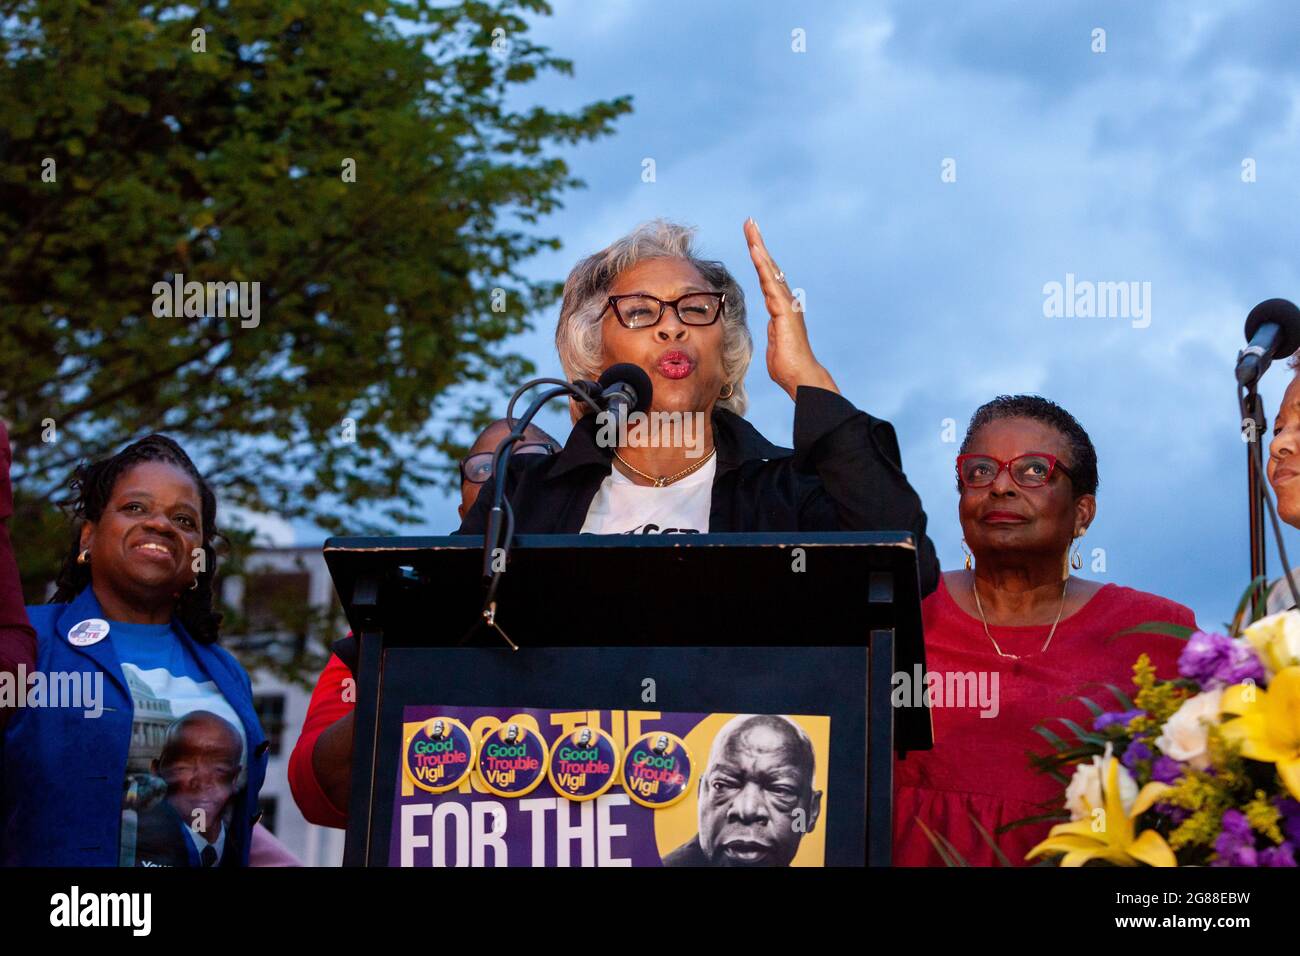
x,y
1115,717
1175,815
1213,660
1202,655
1137,751
1289,807
1283,855
1236,843
1243,665
1166,769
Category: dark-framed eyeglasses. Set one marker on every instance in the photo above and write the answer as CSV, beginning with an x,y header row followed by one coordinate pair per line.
x,y
477,468
1031,470
637,311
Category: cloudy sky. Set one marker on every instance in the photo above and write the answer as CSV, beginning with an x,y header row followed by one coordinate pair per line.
x,y
925,297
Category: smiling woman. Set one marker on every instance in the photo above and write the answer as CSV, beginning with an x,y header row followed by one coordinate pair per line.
x,y
169,771
1284,478
1284,452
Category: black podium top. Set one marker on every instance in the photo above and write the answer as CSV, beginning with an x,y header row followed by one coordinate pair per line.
x,y
725,590
576,590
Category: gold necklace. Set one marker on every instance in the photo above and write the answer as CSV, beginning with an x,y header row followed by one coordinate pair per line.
x,y
663,480
1015,657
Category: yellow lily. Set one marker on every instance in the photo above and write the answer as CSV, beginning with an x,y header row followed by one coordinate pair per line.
x,y
1267,723
1114,844
1276,639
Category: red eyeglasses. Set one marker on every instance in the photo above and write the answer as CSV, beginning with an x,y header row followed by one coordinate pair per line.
x,y
1031,470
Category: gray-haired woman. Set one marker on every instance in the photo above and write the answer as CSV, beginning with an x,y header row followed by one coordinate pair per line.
x,y
694,464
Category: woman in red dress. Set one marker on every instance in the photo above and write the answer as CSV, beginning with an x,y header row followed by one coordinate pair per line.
x,y
1018,634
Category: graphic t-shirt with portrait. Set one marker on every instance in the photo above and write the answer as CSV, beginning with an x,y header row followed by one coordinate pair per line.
x,y
186,763
621,506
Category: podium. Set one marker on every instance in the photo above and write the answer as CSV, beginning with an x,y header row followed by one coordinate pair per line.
x,y
688,634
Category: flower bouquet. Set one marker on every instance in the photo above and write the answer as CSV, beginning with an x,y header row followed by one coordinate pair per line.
x,y
1200,770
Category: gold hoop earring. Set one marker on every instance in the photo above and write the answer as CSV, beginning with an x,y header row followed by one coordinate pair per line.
x,y
727,392
84,557
1076,559
970,561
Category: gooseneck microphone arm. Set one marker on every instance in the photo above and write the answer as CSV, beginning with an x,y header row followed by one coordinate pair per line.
x,y
622,388
500,529
572,388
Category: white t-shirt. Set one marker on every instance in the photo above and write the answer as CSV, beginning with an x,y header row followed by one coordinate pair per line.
x,y
621,506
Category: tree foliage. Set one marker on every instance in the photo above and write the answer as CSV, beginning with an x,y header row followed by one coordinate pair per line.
x,y
212,141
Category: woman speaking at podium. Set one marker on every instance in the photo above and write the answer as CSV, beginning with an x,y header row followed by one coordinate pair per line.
x,y
649,300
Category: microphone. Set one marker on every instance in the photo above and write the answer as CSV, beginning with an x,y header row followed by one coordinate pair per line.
x,y
621,389
1272,329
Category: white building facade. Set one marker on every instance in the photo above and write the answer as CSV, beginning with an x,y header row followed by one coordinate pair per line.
x,y
280,583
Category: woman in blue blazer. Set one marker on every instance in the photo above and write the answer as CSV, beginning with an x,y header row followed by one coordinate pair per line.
x,y
137,744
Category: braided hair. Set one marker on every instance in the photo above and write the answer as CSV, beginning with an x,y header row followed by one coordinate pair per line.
x,y
92,487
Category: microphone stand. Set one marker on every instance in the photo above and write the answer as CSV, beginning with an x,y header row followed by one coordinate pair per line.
x,y
500,529
1252,426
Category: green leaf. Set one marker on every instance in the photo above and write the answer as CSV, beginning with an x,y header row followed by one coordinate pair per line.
x,y
1092,706
1082,734
1258,586
1125,701
1057,817
1050,737
1067,756
1180,631
947,852
1002,857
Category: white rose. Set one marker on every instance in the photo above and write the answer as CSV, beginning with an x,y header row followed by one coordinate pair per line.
x,y
1084,792
1185,735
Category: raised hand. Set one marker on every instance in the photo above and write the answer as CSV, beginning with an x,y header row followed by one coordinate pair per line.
x,y
790,359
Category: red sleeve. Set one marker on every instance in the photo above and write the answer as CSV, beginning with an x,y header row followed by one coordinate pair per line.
x,y
1163,651
17,639
327,706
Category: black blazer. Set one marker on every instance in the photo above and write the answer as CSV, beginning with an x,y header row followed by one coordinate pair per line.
x,y
843,474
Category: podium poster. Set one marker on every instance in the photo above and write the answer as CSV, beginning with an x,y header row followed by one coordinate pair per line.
x,y
521,786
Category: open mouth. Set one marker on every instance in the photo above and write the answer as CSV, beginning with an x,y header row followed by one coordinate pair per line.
x,y
675,364
747,851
